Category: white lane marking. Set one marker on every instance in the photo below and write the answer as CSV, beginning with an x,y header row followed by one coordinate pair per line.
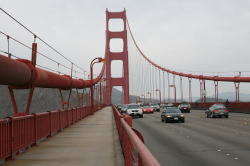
x,y
228,154
218,150
236,158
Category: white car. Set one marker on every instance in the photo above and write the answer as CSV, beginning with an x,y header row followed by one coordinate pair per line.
x,y
134,110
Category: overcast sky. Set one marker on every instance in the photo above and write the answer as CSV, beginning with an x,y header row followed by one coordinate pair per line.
x,y
186,35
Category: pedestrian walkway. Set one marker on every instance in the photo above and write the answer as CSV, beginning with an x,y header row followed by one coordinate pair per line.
x,y
92,141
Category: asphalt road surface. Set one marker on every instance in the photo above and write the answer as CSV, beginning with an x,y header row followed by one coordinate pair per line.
x,y
200,141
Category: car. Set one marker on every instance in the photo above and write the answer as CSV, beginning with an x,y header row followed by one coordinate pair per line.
x,y
123,108
119,107
156,107
172,114
165,106
134,110
148,109
217,110
184,107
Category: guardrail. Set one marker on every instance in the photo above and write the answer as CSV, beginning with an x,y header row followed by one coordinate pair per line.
x,y
20,133
134,151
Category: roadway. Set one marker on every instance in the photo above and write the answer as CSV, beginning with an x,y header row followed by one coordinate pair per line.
x,y
198,141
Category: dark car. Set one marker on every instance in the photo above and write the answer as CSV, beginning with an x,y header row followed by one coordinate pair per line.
x,y
217,110
185,107
165,106
172,114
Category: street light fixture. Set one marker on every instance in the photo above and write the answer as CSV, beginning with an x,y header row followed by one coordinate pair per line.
x,y
94,61
158,90
149,96
143,98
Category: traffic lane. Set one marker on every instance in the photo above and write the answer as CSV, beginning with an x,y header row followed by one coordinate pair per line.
x,y
173,144
236,123
227,142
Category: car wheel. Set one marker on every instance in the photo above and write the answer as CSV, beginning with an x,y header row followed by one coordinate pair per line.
x,y
162,120
141,116
226,116
183,121
165,120
211,116
207,116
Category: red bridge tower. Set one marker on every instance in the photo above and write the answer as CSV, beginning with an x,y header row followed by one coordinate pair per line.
x,y
122,56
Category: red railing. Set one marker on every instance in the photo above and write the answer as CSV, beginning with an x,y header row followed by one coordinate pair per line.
x,y
134,150
19,133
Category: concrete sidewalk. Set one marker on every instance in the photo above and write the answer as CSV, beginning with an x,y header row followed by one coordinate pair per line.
x,y
92,141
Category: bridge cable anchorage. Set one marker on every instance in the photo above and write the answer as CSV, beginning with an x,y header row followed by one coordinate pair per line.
x,y
36,36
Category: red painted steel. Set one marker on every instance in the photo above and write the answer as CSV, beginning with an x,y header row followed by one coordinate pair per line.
x,y
43,126
19,133
63,119
23,132
18,73
54,121
134,150
122,56
5,135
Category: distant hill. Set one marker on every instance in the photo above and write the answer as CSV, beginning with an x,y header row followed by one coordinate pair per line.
x,y
230,96
44,99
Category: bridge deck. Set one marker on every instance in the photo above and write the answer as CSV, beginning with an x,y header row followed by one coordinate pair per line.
x,y
91,141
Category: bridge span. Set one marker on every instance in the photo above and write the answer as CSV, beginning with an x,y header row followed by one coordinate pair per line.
x,y
89,134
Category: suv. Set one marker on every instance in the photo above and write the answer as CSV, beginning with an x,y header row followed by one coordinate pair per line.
x,y
134,110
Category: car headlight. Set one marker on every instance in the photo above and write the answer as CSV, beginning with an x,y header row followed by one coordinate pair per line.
x,y
182,115
169,116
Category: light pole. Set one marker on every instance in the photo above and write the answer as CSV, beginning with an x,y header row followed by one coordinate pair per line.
x,y
143,98
94,61
174,92
149,96
158,90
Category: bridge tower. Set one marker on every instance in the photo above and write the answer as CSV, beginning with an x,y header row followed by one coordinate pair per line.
x,y
112,56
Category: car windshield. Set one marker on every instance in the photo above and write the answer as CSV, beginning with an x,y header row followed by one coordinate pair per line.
x,y
133,106
172,110
184,105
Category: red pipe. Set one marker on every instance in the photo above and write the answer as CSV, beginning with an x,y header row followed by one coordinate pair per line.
x,y
13,72
21,73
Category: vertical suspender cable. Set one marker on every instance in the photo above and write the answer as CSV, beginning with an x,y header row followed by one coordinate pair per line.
x,y
168,88
164,96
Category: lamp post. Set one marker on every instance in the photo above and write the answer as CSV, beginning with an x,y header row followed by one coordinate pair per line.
x,y
143,98
173,86
149,96
158,90
94,61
